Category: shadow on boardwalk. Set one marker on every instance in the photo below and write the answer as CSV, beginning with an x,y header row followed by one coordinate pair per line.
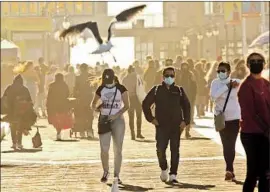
x,y
127,187
189,186
23,151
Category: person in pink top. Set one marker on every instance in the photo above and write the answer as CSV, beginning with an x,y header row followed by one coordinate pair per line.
x,y
254,100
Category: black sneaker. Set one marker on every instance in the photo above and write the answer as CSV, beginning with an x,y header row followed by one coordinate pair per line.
x,y
140,136
119,181
188,136
229,176
105,177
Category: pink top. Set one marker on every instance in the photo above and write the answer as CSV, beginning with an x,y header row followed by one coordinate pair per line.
x,y
254,99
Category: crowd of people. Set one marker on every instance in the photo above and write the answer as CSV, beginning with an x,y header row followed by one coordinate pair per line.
x,y
176,91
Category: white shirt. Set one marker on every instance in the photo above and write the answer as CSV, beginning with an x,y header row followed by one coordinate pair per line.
x,y
107,94
218,92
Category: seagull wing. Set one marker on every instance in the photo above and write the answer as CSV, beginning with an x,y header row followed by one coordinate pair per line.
x,y
78,29
125,16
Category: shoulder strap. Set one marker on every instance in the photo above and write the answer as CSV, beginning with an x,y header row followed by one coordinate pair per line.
x,y
227,98
180,91
113,100
156,89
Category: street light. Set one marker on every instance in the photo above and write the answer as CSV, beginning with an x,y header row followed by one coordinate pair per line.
x,y
199,36
215,32
185,42
66,23
209,34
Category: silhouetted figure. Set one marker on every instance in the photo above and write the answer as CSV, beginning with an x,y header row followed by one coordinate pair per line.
x,y
83,92
57,103
19,110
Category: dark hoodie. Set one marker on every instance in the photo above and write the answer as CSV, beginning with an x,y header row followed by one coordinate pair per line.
x,y
57,100
14,96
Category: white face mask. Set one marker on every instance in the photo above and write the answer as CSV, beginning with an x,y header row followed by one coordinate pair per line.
x,y
110,85
222,76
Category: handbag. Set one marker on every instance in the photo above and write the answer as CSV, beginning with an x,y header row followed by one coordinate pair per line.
x,y
140,92
104,124
220,118
36,140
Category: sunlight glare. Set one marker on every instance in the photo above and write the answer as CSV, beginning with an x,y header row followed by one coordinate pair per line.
x,y
123,51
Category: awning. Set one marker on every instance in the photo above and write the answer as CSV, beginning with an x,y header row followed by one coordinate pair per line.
x,y
261,40
9,50
5,44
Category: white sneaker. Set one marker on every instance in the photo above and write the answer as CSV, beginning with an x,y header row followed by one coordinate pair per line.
x,y
14,146
82,134
90,134
19,146
164,176
115,187
173,179
58,136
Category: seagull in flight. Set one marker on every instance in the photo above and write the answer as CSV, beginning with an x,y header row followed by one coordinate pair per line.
x,y
74,32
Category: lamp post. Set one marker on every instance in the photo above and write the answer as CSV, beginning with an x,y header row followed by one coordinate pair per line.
x,y
200,38
216,34
185,42
209,34
66,25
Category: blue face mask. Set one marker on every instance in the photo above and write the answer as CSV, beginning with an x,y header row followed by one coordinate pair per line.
x,y
169,80
222,76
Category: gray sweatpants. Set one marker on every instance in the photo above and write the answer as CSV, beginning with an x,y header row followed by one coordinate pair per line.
x,y
117,134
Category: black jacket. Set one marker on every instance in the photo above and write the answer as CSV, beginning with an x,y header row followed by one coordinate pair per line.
x,y
171,106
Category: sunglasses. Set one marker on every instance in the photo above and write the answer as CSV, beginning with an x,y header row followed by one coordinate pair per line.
x,y
172,76
256,61
221,71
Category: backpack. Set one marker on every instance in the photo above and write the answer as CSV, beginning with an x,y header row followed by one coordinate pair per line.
x,y
156,90
180,90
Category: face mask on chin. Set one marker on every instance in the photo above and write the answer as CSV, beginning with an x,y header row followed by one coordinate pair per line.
x,y
169,80
110,85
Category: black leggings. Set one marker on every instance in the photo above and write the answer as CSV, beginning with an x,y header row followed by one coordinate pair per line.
x,y
16,134
257,151
228,138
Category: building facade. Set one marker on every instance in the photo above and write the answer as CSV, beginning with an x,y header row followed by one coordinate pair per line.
x,y
31,25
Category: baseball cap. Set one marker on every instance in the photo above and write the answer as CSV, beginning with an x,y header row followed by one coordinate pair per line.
x,y
108,76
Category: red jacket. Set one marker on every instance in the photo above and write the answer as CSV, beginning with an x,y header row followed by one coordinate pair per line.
x,y
254,99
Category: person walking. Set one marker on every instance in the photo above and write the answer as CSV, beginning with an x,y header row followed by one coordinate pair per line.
x,y
172,115
240,71
130,82
58,105
115,103
254,99
223,92
19,109
83,92
70,79
201,90
149,75
187,80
